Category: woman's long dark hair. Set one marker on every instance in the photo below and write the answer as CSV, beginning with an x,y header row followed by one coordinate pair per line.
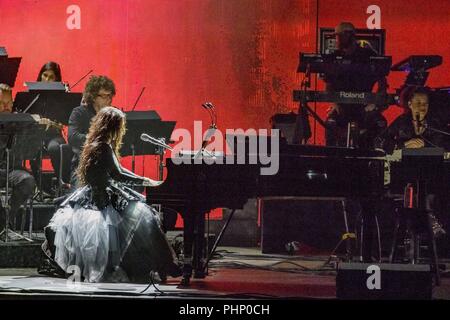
x,y
51,66
107,127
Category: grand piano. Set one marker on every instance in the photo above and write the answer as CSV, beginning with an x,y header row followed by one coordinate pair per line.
x,y
310,172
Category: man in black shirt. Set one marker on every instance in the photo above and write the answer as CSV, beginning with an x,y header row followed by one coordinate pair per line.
x,y
98,94
366,120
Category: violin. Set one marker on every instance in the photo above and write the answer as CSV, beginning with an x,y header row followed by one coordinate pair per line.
x,y
50,123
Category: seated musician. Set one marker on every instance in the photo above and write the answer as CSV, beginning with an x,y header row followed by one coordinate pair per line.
x,y
409,130
51,72
105,228
367,121
98,93
21,182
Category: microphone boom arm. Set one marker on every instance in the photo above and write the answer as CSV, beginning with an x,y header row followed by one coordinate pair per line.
x,y
158,142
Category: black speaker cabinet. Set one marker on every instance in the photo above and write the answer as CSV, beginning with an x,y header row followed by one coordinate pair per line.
x,y
365,281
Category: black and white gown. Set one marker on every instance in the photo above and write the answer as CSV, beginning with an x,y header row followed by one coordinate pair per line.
x,y
107,230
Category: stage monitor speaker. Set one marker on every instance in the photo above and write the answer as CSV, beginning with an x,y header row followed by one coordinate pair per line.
x,y
366,281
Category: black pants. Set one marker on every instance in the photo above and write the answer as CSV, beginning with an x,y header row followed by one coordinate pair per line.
x,y
368,126
52,148
22,186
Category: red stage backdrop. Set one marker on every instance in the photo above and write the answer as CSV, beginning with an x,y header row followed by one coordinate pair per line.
x,y
239,54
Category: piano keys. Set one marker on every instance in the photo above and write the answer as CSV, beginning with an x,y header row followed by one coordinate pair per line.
x,y
346,97
332,64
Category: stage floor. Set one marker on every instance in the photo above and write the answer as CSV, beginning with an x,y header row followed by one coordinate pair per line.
x,y
234,273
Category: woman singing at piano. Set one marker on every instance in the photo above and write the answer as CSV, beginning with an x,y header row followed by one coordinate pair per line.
x,y
105,228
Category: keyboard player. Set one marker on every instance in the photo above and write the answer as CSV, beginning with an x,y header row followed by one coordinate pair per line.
x,y
22,183
366,121
355,125
414,129
409,130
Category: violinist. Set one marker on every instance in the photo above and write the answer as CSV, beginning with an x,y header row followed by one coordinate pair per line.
x,y
51,72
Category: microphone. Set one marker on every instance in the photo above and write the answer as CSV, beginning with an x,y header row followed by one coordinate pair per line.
x,y
418,118
208,105
417,123
159,142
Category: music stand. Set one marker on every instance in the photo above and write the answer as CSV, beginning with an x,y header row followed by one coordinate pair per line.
x,y
49,100
45,86
8,70
148,122
22,142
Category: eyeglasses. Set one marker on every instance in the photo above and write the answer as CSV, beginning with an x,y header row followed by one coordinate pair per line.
x,y
105,95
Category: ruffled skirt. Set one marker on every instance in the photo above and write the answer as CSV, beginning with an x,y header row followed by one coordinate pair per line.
x,y
97,242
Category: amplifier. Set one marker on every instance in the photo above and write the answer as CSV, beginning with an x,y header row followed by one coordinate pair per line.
x,y
366,281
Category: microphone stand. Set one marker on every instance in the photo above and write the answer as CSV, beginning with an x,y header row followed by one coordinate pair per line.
x,y
211,129
426,126
133,155
160,151
6,200
437,130
7,205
